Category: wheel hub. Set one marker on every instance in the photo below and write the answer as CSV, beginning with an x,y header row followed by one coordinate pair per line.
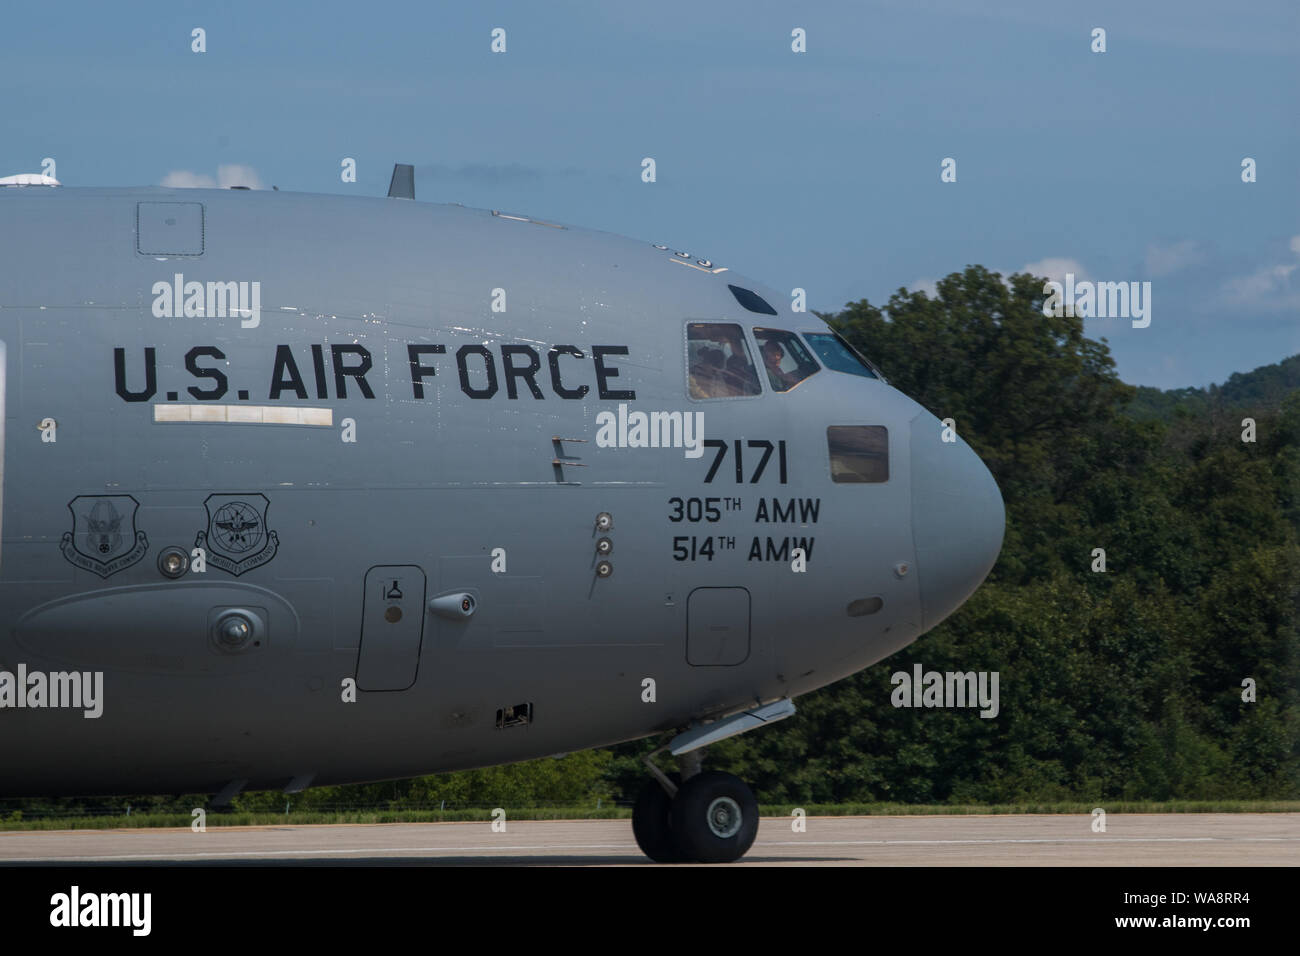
x,y
725,818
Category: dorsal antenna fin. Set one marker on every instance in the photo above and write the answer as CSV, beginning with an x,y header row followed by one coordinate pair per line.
x,y
403,184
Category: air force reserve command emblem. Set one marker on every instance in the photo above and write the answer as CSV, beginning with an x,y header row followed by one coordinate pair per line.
x,y
237,539
103,538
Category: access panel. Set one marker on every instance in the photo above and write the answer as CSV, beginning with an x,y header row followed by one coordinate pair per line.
x,y
392,626
717,627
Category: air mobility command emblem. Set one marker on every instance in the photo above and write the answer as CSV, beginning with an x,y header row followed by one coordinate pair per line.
x,y
103,538
237,539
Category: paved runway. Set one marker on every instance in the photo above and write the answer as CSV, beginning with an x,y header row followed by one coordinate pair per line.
x,y
1192,839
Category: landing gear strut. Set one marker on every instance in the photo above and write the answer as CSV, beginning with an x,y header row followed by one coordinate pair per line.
x,y
711,817
698,816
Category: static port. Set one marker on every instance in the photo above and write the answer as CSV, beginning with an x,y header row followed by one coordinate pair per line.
x,y
604,546
604,569
604,521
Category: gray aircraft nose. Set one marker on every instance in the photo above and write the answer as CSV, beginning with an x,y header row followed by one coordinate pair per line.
x,y
957,519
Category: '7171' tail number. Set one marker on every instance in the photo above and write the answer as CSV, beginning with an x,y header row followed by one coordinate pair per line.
x,y
760,454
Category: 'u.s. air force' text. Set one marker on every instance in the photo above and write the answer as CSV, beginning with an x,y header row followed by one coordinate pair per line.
x,y
319,371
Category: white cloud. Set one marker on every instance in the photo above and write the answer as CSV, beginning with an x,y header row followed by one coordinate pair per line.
x,y
1260,285
233,174
1161,260
1269,286
184,179
1055,268
929,286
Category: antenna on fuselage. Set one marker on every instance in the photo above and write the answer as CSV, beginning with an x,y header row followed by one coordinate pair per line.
x,y
403,184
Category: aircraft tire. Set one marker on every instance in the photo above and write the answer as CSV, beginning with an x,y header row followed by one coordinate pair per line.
x,y
714,818
652,821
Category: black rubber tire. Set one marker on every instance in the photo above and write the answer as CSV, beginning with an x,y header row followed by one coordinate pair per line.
x,y
696,840
652,821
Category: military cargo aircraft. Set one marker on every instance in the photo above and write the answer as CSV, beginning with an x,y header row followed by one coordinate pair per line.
x,y
308,489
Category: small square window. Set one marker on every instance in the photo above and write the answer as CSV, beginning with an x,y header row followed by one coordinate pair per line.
x,y
859,453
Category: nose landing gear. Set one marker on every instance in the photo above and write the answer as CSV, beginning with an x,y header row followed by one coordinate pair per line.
x,y
698,816
711,818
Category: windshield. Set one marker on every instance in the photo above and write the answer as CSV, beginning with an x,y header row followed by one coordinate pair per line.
x,y
839,356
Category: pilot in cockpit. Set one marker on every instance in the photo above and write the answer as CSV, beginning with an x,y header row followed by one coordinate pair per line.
x,y
772,356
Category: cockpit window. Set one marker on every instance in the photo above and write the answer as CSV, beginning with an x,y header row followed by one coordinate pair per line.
x,y
859,453
785,358
838,355
720,366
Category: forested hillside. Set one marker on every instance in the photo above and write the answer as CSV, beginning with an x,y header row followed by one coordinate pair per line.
x,y
1265,388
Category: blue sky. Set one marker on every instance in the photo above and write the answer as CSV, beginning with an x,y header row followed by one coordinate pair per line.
x,y
818,170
